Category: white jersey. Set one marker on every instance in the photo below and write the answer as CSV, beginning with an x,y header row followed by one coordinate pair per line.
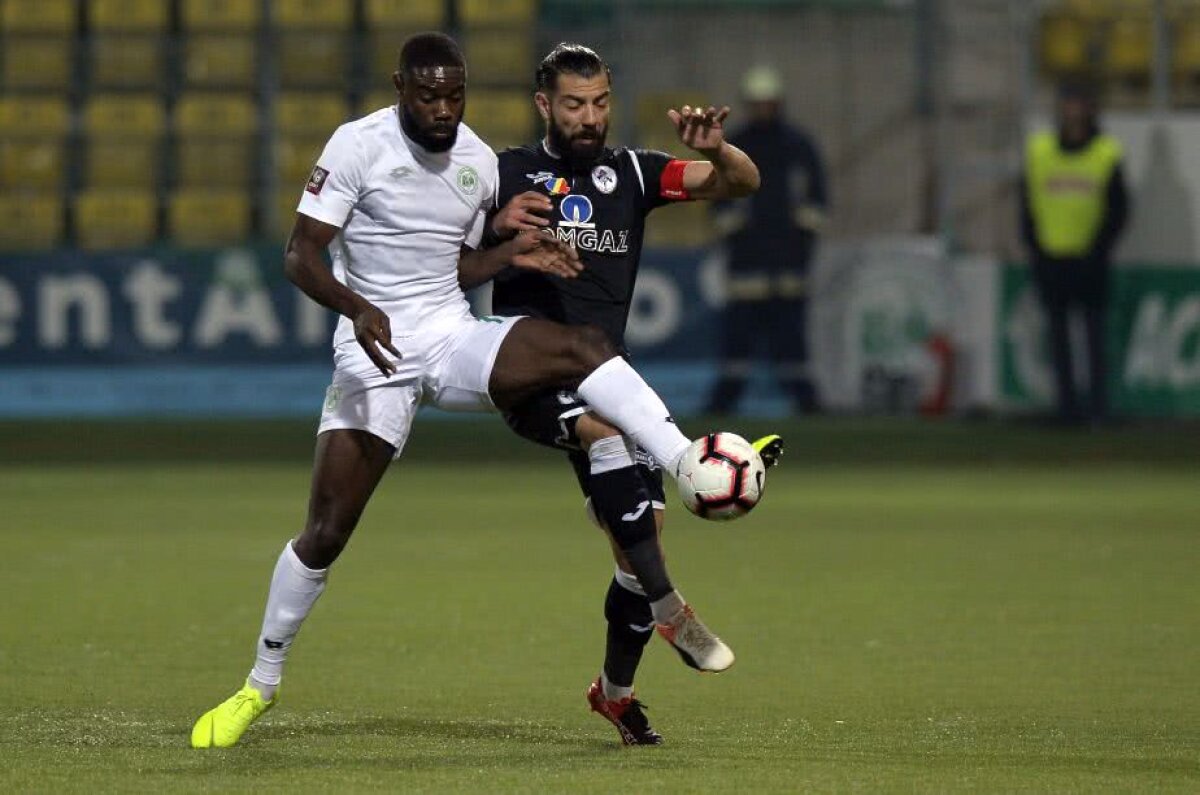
x,y
404,213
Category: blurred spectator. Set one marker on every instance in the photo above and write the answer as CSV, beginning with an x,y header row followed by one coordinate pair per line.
x,y
1073,208
770,238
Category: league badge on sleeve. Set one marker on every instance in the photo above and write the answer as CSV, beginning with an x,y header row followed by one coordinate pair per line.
x,y
316,181
604,178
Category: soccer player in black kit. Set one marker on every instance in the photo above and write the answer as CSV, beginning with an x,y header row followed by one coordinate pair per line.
x,y
597,199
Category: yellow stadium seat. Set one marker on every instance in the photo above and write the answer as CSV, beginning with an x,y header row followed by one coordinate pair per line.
x,y
284,218
40,116
313,14
120,61
1185,53
309,113
501,118
31,163
312,60
211,113
208,217
1130,47
107,219
37,16
123,162
215,162
682,224
500,56
384,52
219,60
143,16
498,12
1065,44
219,14
375,100
294,160
31,221
412,14
124,115
36,62
652,122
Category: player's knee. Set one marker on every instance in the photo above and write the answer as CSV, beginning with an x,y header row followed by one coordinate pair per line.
x,y
591,429
588,348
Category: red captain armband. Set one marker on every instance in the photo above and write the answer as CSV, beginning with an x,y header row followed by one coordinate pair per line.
x,y
671,182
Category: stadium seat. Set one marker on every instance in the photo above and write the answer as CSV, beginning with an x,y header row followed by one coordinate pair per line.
x,y
215,145
32,163
121,61
1185,52
36,62
309,113
383,52
123,145
208,217
1064,44
213,15
500,57
141,16
410,14
286,201
1130,47
294,160
514,13
37,16
42,116
682,224
31,221
219,60
375,100
313,14
313,60
213,113
115,218
502,118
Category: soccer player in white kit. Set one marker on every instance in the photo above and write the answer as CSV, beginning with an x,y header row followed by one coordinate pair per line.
x,y
399,197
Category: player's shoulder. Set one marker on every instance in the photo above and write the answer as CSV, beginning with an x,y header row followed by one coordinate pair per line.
x,y
520,154
471,146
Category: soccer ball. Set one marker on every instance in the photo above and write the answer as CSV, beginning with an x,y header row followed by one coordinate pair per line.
x,y
721,477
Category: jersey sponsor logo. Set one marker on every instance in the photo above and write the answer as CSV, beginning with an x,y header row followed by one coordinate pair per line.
x,y
316,180
468,180
400,172
604,178
576,212
555,186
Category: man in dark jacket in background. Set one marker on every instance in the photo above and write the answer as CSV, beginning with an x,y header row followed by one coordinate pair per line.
x,y
771,238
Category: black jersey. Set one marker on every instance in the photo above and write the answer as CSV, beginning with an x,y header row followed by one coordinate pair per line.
x,y
602,212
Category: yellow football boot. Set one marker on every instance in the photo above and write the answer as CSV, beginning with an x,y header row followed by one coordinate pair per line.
x,y
224,725
769,449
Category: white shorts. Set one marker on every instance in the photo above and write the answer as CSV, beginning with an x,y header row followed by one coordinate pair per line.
x,y
446,364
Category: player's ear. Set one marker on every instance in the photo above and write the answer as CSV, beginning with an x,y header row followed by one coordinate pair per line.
x,y
543,104
398,82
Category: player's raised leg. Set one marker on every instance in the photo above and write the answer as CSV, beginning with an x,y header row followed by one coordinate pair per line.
x,y
348,465
537,354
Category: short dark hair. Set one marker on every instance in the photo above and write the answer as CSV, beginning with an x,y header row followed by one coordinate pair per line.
x,y
569,58
426,50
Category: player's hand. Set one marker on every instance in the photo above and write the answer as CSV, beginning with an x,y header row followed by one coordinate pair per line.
x,y
521,213
542,252
373,330
699,128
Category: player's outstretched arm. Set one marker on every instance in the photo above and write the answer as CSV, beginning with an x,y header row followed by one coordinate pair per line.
x,y
305,268
530,249
726,171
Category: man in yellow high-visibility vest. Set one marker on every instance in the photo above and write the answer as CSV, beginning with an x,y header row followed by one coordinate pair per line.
x,y
1074,205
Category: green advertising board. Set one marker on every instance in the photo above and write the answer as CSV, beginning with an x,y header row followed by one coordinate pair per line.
x,y
1153,342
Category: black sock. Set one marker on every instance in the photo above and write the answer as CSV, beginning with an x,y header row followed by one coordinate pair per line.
x,y
630,625
621,500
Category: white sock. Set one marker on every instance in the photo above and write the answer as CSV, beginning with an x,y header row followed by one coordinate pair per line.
x,y
294,591
617,392
614,692
664,609
611,453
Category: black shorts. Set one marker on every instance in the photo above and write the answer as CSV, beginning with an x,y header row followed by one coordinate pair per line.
x,y
548,418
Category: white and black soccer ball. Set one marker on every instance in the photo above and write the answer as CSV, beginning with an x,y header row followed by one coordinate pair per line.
x,y
721,477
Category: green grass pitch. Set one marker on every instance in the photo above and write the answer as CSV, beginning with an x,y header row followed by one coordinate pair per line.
x,y
915,607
